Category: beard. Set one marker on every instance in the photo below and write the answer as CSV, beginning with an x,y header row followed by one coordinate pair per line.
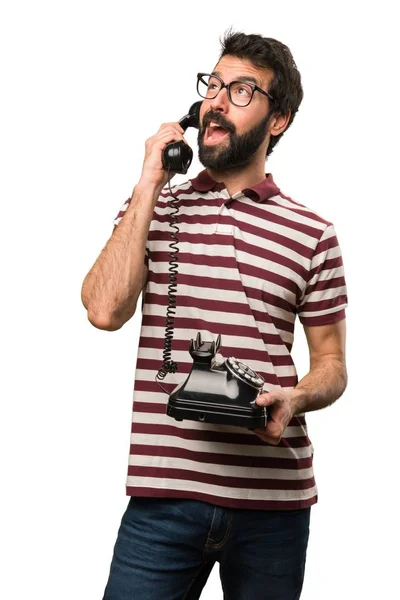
x,y
240,148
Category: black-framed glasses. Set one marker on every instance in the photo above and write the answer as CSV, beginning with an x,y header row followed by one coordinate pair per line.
x,y
240,93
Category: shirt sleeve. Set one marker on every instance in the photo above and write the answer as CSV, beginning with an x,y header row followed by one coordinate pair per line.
x,y
117,221
325,296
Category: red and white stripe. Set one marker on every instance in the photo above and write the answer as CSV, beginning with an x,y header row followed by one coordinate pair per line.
x,y
247,265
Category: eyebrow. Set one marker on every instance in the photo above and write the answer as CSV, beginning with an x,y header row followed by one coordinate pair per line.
x,y
242,78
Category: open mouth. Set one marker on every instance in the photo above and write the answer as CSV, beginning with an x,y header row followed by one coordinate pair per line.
x,y
214,134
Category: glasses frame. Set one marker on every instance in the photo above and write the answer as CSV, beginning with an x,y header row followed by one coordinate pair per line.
x,y
253,87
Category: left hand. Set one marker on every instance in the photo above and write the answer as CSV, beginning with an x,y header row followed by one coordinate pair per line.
x,y
281,409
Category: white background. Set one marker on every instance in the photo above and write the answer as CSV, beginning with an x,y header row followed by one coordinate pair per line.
x,y
83,85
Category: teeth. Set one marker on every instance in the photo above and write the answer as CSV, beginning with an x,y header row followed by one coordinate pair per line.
x,y
212,126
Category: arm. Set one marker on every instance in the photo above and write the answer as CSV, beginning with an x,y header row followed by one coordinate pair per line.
x,y
327,378
325,382
113,285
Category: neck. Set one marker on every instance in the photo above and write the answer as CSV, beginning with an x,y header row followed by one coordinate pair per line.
x,y
240,179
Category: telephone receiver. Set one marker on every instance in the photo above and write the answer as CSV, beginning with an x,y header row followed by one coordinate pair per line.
x,y
177,156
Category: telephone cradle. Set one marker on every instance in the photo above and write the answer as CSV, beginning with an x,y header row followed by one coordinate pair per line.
x,y
224,393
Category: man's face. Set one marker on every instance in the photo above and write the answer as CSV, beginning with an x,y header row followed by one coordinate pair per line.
x,y
244,130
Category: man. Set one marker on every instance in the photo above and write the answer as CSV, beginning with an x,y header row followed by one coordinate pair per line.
x,y
250,260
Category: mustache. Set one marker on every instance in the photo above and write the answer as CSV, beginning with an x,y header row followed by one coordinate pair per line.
x,y
219,120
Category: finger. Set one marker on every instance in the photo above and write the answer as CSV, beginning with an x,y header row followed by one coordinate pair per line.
x,y
265,399
172,135
169,138
175,126
266,438
169,132
161,140
272,432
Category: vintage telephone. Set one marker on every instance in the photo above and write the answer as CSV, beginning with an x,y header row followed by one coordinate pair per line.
x,y
225,392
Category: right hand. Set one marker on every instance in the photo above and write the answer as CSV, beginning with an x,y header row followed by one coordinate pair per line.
x,y
153,172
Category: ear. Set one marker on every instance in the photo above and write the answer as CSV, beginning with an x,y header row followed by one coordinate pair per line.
x,y
278,123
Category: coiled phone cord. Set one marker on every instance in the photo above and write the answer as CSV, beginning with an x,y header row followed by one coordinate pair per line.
x,y
170,366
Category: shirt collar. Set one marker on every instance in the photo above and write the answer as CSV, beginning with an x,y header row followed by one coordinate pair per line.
x,y
259,193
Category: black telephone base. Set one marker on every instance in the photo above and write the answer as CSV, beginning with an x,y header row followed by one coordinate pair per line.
x,y
220,414
224,393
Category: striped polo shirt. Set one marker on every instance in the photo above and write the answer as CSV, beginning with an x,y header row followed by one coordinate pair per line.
x,y
248,264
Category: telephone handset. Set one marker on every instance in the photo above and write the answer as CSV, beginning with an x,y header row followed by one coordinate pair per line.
x,y
177,156
223,393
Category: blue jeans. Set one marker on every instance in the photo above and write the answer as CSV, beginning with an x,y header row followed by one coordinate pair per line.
x,y
166,549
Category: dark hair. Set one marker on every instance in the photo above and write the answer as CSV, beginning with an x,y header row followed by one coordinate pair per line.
x,y
267,53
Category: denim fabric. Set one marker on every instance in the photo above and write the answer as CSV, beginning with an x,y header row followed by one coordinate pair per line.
x,y
166,549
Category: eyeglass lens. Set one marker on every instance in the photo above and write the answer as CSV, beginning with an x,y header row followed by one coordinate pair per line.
x,y
209,86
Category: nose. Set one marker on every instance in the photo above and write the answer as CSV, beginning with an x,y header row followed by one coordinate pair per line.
x,y
221,101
